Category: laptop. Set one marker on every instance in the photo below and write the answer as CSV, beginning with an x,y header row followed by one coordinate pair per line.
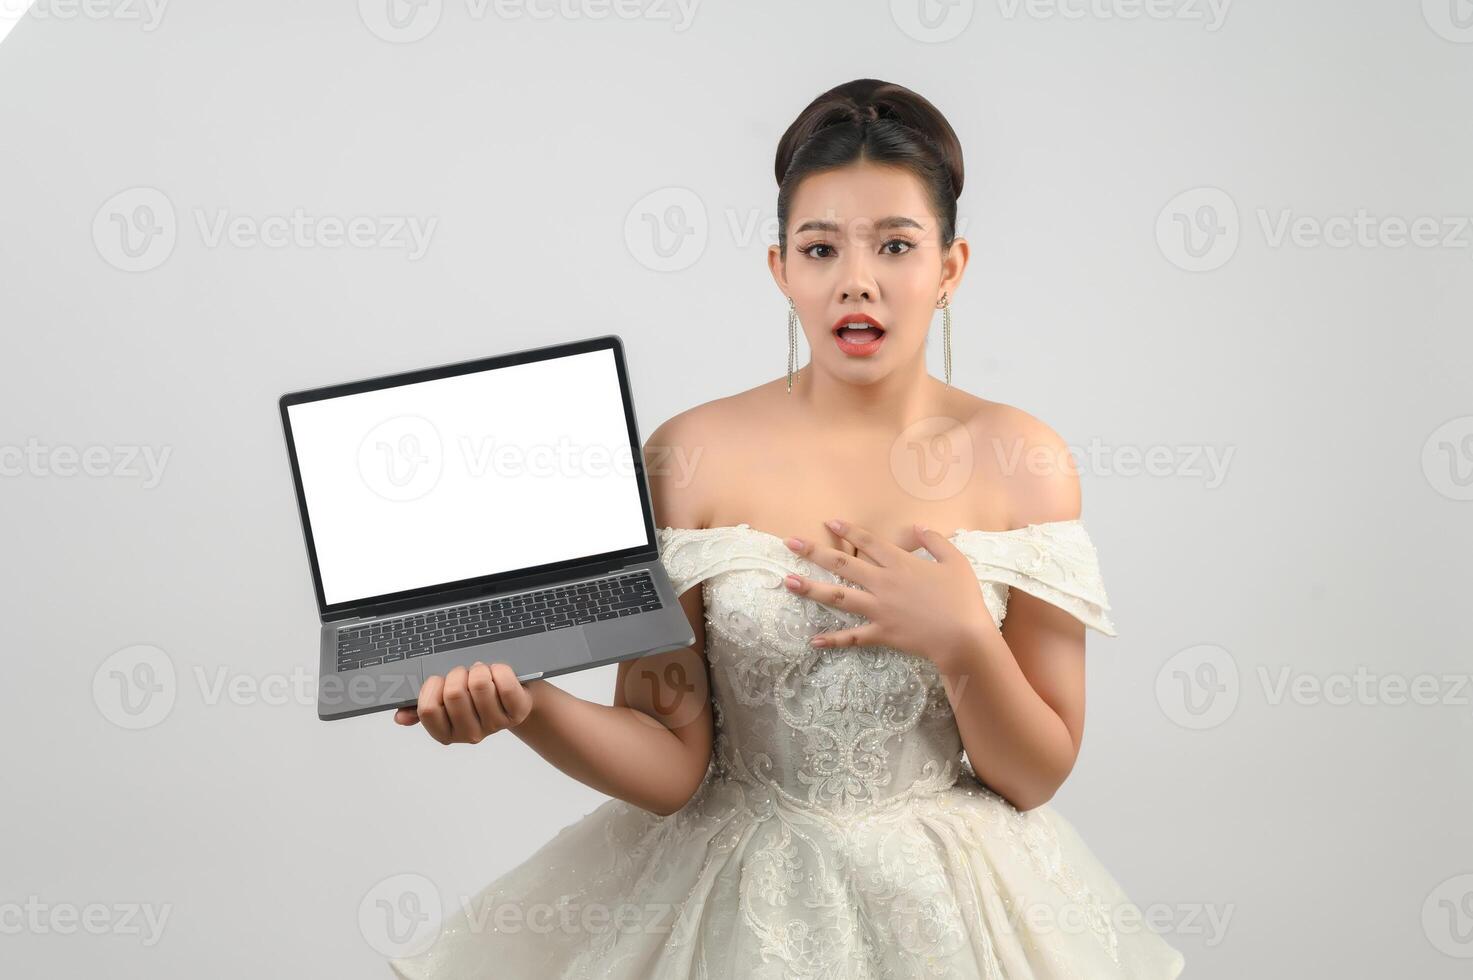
x,y
493,510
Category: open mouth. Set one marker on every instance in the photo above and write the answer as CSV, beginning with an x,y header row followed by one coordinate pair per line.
x,y
859,335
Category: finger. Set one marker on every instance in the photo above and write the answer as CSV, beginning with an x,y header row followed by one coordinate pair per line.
x,y
938,544
516,700
860,636
483,696
406,716
830,594
877,549
464,725
432,709
852,567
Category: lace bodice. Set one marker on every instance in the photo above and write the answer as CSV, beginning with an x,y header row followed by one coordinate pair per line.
x,y
832,730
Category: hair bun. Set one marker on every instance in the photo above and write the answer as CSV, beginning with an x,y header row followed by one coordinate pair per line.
x,y
864,102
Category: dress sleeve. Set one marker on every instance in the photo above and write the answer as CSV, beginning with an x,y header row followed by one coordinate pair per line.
x,y
1055,561
692,555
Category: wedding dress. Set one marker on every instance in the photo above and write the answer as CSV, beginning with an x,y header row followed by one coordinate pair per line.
x,y
839,833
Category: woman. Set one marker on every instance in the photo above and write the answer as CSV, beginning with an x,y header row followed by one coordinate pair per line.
x,y
791,797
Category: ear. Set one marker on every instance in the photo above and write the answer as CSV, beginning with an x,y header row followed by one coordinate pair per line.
x,y
778,268
952,268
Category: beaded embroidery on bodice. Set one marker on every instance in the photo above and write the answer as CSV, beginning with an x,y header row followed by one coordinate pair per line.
x,y
838,729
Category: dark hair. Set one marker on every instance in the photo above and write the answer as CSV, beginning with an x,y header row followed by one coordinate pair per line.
x,y
868,119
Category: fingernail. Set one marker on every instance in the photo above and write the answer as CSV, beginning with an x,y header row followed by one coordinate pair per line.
x,y
834,525
817,641
792,582
795,543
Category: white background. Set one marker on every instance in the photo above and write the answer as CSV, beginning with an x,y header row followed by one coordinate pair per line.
x,y
1336,540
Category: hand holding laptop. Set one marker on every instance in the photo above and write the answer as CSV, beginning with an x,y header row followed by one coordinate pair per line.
x,y
467,705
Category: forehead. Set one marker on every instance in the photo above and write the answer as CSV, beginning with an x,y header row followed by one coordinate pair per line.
x,y
858,194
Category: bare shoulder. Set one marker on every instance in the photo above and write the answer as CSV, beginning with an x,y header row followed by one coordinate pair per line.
x,y
1033,463
689,457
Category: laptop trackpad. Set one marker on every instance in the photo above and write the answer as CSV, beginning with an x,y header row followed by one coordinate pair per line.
x,y
549,651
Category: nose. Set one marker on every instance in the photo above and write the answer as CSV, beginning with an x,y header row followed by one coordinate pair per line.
x,y
856,282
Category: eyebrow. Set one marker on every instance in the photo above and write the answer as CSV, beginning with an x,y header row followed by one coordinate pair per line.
x,y
894,221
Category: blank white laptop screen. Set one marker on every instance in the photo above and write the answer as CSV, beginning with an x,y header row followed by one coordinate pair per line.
x,y
438,481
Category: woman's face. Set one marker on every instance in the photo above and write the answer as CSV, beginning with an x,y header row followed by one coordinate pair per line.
x,y
863,243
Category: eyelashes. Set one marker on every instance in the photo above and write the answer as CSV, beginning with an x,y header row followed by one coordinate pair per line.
x,y
809,248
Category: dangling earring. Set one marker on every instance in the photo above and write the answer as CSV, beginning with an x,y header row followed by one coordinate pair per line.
x,y
792,341
945,305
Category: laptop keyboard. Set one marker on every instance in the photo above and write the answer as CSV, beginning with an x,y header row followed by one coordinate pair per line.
x,y
438,630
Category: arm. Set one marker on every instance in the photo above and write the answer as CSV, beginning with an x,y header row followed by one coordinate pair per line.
x,y
652,747
1018,692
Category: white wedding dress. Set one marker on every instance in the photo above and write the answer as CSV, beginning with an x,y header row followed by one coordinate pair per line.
x,y
839,832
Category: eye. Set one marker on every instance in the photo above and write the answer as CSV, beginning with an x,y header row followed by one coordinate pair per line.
x,y
898,241
808,249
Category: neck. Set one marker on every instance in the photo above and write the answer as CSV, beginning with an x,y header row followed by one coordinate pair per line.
x,y
890,403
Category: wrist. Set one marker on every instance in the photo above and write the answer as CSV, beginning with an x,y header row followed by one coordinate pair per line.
x,y
964,644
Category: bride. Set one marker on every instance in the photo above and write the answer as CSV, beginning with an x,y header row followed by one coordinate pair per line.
x,y
849,774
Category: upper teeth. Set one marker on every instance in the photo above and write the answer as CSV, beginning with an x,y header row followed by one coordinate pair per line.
x,y
858,326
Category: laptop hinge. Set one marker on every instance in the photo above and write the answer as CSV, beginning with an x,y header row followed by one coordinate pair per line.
x,y
376,610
